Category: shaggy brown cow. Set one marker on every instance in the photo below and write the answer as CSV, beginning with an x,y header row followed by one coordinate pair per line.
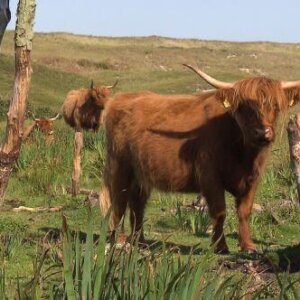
x,y
82,108
42,124
126,96
193,144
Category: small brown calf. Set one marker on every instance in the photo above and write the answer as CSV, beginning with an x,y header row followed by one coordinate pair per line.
x,y
44,125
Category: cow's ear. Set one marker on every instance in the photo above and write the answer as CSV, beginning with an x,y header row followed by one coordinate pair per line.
x,y
292,96
226,97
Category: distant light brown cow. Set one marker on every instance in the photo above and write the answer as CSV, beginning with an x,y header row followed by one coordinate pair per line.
x,y
82,109
193,144
45,125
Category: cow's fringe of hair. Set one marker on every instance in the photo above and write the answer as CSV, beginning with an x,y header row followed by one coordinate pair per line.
x,y
267,94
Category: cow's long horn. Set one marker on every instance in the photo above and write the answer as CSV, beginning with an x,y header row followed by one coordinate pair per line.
x,y
92,84
290,84
114,85
210,80
56,117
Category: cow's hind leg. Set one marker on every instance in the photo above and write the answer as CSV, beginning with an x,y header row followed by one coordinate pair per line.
x,y
115,193
137,203
217,209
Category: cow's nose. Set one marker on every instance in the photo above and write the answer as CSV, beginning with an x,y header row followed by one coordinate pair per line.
x,y
265,133
259,132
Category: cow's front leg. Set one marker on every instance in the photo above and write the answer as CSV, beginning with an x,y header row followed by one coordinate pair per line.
x,y
244,207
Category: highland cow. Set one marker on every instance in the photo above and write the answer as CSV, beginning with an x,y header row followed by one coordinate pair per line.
x,y
82,109
212,142
44,125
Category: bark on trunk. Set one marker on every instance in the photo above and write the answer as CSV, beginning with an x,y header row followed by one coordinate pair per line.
x,y
4,17
78,144
293,130
10,147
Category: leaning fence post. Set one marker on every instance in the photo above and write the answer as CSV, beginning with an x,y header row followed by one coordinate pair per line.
x,y
78,144
293,130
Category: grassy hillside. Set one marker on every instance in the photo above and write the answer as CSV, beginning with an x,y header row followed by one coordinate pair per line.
x,y
62,62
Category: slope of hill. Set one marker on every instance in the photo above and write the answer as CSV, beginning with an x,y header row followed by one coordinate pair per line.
x,y
64,61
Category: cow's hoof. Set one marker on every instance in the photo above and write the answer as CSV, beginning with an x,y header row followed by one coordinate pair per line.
x,y
250,254
251,251
143,245
223,251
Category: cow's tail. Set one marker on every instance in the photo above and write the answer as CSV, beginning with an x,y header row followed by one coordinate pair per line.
x,y
105,200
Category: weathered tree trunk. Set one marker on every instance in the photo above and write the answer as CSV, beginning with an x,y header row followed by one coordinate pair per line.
x,y
78,144
293,130
10,147
4,17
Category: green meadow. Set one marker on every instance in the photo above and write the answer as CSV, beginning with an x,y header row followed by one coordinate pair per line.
x,y
62,254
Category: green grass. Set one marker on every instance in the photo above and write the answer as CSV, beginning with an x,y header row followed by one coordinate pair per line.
x,y
43,172
82,267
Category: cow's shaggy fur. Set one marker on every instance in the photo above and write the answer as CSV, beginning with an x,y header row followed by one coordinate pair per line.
x,y
193,144
82,109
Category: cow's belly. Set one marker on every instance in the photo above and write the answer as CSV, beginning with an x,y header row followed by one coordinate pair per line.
x,y
162,165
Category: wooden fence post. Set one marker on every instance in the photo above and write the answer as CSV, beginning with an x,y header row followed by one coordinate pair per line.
x,y
78,144
10,147
293,130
